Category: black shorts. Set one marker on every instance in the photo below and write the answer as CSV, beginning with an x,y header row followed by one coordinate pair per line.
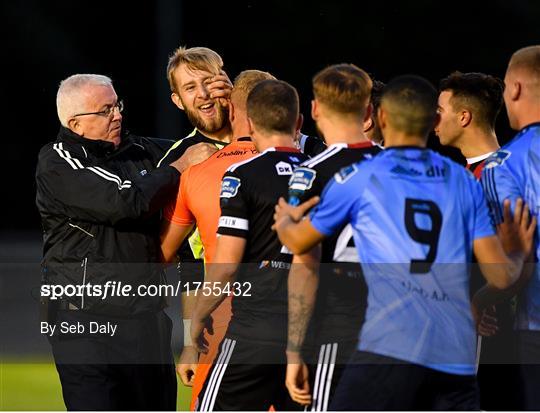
x,y
326,365
374,382
245,376
498,372
529,359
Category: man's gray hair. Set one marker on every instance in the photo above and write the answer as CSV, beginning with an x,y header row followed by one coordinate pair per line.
x,y
70,96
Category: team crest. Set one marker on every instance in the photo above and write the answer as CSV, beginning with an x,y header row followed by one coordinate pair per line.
x,y
345,174
284,168
302,179
229,187
497,159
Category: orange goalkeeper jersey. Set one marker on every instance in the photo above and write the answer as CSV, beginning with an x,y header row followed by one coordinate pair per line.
x,y
198,202
198,196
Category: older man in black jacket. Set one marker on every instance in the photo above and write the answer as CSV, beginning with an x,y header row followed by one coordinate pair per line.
x,y
99,196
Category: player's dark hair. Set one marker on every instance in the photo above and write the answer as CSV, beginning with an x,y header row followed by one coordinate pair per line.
x,y
376,94
410,103
480,94
273,106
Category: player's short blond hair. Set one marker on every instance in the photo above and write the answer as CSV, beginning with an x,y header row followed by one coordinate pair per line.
x,y
246,81
343,88
527,60
195,58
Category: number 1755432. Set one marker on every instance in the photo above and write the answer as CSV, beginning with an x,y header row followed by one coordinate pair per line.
x,y
217,288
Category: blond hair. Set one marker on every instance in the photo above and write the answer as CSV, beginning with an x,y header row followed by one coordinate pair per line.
x,y
195,58
343,88
246,81
527,60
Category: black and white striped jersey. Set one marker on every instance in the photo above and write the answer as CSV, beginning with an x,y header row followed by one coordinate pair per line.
x,y
249,193
341,287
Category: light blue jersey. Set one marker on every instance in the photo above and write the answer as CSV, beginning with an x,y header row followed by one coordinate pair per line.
x,y
512,172
415,215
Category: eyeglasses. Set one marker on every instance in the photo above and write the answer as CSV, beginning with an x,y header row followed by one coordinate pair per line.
x,y
107,112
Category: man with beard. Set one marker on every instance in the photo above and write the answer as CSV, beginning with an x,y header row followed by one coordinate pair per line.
x,y
198,202
200,88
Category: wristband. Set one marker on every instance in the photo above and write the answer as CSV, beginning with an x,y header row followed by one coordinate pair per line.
x,y
187,332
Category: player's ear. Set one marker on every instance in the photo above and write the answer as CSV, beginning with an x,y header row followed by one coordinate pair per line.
x,y
299,123
381,118
231,111
250,124
465,118
177,100
515,91
369,112
368,119
314,109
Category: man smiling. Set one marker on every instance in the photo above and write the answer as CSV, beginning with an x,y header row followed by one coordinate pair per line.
x,y
200,88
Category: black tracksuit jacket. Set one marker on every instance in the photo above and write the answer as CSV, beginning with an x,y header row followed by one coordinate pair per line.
x,y
100,211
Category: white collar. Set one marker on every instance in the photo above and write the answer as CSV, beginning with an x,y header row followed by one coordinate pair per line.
x,y
478,158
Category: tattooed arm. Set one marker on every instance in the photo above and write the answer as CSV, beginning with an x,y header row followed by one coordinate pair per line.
x,y
302,284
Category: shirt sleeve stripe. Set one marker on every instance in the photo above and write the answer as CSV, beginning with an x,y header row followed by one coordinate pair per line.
x,y
233,222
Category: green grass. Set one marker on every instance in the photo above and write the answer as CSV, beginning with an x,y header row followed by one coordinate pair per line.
x,y
34,385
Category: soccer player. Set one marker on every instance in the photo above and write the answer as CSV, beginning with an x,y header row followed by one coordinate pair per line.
x,y
340,108
198,202
200,88
469,104
250,365
412,211
514,171
468,107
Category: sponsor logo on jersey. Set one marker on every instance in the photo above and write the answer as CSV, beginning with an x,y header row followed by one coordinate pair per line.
x,y
285,250
284,168
237,152
345,174
143,172
229,187
400,170
278,265
497,159
302,179
435,171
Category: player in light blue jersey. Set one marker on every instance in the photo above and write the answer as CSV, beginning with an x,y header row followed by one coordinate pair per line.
x,y
514,171
417,218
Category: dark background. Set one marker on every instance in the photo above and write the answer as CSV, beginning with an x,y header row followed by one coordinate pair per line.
x,y
46,41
